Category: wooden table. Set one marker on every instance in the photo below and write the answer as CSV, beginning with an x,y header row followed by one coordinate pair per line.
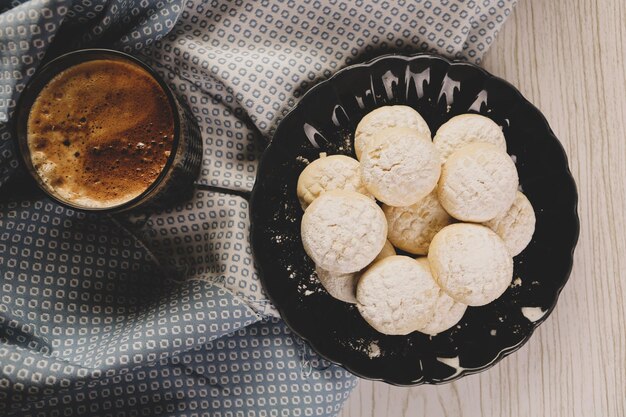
x,y
568,58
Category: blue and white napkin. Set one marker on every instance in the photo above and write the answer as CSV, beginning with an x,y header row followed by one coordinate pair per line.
x,y
163,313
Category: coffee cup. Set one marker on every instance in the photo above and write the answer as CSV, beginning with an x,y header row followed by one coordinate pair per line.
x,y
99,130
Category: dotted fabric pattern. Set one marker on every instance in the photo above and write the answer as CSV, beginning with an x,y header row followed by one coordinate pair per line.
x,y
266,54
83,299
232,144
207,238
259,370
162,312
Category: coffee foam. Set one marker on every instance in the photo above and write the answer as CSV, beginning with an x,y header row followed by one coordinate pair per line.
x,y
100,133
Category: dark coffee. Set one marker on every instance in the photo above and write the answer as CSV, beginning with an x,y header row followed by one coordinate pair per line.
x,y
100,132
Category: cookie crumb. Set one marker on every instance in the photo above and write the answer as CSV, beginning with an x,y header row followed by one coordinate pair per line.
x,y
373,351
533,313
303,160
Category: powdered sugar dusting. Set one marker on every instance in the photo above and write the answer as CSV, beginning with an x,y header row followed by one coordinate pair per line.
x,y
366,347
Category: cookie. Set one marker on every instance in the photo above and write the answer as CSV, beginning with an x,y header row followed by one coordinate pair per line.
x,y
343,286
470,263
385,117
335,172
343,231
478,182
339,286
396,295
400,166
465,129
515,226
411,228
446,313
387,251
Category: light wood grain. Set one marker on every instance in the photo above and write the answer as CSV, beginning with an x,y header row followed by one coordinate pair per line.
x,y
568,58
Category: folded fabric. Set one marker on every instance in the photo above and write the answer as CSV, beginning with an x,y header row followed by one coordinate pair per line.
x,y
162,312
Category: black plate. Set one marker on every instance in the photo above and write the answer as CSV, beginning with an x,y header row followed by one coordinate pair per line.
x,y
324,121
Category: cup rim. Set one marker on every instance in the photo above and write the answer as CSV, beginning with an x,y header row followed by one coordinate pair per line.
x,y
40,79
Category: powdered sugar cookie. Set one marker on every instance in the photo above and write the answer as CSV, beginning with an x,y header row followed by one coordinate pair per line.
x,y
470,263
411,228
446,313
400,166
385,117
387,251
396,295
465,129
515,226
343,231
478,182
343,286
339,286
335,172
